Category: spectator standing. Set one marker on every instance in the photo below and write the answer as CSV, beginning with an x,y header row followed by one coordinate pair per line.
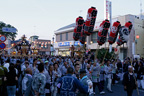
x,y
11,80
129,81
50,80
34,67
87,82
27,83
76,72
95,71
109,76
39,81
57,74
2,74
140,75
68,84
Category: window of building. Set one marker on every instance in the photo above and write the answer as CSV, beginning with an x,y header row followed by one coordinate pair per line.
x,y
94,37
60,37
39,45
67,36
46,46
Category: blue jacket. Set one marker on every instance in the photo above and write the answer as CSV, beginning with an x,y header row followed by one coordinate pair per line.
x,y
27,86
69,84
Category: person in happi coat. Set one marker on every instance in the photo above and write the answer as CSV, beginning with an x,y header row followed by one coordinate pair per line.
x,y
129,81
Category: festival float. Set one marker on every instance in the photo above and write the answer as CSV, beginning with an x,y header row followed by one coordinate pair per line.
x,y
22,47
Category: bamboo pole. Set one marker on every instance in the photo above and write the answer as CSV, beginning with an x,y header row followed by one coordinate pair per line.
x,y
96,53
83,53
136,83
113,53
105,54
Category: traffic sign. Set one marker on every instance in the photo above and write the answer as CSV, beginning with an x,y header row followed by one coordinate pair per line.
x,y
2,45
6,29
2,38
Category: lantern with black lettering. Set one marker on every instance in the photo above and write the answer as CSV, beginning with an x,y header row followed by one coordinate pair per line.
x,y
114,32
78,28
83,36
90,21
103,31
119,41
125,31
129,25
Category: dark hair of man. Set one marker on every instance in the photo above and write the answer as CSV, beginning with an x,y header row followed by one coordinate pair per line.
x,y
108,60
100,60
55,64
26,59
83,74
8,60
41,67
34,60
76,61
27,71
18,61
51,59
50,66
58,62
70,70
27,62
47,59
76,65
11,67
89,61
141,63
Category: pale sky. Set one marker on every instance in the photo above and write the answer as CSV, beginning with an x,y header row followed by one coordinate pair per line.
x,y
43,17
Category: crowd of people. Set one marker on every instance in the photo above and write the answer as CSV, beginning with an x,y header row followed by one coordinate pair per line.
x,y
67,76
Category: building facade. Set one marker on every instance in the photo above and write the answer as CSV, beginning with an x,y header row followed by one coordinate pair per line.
x,y
43,46
64,38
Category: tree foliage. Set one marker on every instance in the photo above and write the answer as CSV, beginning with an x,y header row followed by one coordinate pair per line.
x,y
9,35
102,52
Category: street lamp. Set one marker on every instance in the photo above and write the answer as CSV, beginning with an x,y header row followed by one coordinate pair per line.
x,y
137,37
53,39
91,42
53,46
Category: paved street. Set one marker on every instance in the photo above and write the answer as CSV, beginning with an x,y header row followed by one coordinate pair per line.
x,y
119,91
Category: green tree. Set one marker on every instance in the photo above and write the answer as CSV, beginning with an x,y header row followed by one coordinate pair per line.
x,y
102,52
9,35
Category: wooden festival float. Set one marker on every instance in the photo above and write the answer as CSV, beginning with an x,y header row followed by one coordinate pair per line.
x,y
22,47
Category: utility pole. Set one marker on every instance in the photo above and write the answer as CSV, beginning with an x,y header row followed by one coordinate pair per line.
x,y
140,8
53,46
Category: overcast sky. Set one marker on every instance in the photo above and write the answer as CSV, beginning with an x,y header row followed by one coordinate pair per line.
x,y
43,17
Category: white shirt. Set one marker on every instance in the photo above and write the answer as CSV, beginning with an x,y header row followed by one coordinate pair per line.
x,y
7,66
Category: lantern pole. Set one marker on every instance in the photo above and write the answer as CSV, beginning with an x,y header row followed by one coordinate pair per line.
x,y
137,37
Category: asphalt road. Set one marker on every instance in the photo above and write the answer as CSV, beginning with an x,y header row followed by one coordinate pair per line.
x,y
118,91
